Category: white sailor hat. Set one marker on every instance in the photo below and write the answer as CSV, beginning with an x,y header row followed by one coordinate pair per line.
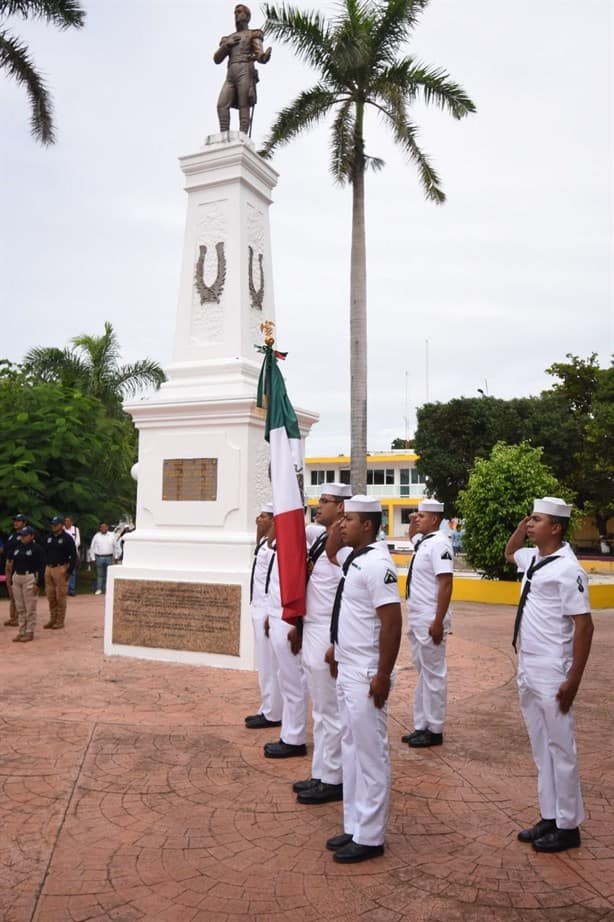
x,y
267,507
430,505
336,489
361,503
552,505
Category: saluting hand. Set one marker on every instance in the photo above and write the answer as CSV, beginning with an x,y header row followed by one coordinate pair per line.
x,y
379,689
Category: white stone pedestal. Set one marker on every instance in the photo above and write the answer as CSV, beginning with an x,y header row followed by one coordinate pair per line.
x,y
201,433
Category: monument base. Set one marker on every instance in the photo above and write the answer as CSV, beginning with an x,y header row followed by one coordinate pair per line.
x,y
196,617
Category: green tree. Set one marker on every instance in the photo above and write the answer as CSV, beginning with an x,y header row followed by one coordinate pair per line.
x,y
16,61
92,367
361,64
62,453
450,436
499,493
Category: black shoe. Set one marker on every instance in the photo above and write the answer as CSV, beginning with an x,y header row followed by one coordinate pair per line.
x,y
536,832
283,750
260,722
426,738
353,852
299,786
251,717
558,841
321,794
338,841
411,736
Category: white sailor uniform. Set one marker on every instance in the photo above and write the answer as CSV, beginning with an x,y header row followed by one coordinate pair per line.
x,y
321,589
433,556
292,684
559,591
370,583
266,663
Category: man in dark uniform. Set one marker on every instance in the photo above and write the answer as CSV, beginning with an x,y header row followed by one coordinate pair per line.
x,y
28,574
19,522
61,561
242,49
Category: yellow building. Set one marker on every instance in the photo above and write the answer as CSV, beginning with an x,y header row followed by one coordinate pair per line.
x,y
391,477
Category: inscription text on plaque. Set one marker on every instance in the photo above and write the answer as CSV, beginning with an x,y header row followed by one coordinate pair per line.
x,y
189,479
202,617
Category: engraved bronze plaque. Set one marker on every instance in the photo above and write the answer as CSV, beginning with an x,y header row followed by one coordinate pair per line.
x,y
201,617
189,479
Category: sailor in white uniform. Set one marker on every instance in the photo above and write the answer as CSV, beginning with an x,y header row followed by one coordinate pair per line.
x,y
366,633
428,591
554,629
292,682
324,572
269,714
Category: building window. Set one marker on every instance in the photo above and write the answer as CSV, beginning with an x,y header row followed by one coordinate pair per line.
x,y
344,475
380,476
330,476
317,477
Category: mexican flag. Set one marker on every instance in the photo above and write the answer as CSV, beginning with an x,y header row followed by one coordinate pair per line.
x,y
282,433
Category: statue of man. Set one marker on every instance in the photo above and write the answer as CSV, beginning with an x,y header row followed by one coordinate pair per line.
x,y
242,49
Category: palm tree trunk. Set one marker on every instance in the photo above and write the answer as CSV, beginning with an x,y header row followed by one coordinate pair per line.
x,y
358,323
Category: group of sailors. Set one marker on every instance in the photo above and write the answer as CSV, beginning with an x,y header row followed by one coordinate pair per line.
x,y
342,653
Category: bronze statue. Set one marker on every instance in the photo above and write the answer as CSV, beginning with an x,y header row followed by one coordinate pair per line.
x,y
242,49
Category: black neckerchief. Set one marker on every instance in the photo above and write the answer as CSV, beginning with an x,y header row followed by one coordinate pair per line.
x,y
315,552
533,567
411,565
334,621
251,579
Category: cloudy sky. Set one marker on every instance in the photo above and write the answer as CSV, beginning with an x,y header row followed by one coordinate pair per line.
x,y
513,272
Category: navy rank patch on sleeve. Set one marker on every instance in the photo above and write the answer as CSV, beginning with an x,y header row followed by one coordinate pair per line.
x,y
580,584
446,555
390,577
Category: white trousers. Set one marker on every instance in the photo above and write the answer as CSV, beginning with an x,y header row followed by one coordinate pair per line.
x,y
292,684
553,743
366,761
326,763
431,694
266,664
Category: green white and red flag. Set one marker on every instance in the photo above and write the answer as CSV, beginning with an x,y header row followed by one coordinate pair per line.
x,y
283,435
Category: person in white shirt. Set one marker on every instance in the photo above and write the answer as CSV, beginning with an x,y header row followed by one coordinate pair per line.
x,y
428,593
75,534
292,682
366,630
554,630
269,714
324,572
102,553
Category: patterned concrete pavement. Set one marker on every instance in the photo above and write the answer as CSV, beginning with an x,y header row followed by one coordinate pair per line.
x,y
131,791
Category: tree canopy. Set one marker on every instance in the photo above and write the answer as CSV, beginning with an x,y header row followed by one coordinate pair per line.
x,y
361,63
16,61
571,423
61,453
92,367
499,493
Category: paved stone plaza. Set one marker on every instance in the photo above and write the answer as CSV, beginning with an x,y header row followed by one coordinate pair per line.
x,y
131,790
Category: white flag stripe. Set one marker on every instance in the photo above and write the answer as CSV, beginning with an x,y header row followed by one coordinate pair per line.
x,y
286,493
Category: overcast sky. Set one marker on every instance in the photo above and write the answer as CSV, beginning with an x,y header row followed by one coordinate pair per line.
x,y
513,272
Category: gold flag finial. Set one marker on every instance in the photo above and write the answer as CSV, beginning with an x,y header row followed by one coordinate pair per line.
x,y
266,327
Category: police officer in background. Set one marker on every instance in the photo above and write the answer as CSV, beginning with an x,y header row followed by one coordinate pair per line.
x,y
554,629
366,630
269,714
428,591
12,542
61,554
27,578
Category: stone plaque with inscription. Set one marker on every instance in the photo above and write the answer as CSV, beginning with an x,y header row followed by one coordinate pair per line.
x,y
189,479
202,617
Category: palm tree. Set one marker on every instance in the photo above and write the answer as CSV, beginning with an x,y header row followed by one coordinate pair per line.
x,y
16,60
358,55
92,367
